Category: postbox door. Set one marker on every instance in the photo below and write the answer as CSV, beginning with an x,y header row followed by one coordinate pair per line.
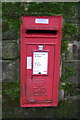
x,y
39,73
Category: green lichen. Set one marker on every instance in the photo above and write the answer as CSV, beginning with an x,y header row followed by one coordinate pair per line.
x,y
69,72
12,89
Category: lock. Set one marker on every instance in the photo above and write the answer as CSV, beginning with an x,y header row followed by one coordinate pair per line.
x,y
40,47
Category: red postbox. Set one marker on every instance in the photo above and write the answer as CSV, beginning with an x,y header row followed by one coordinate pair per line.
x,y
40,60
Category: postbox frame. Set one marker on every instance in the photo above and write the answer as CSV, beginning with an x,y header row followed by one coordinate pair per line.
x,y
56,45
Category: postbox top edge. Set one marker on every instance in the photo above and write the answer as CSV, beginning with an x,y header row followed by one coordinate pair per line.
x,y
41,16
45,21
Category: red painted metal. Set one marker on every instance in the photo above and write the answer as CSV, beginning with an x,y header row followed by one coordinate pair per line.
x,y
40,89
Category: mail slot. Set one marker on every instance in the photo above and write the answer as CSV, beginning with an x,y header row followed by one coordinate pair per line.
x,y
40,41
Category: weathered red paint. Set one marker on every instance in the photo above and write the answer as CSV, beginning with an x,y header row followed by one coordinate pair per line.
x,y
40,89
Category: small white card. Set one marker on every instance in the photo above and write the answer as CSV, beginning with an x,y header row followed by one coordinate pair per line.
x,y
42,21
29,62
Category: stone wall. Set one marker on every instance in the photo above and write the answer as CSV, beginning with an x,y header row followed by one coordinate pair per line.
x,y
72,59
10,57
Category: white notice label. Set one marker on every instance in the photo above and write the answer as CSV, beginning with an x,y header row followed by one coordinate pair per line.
x,y
29,62
40,62
40,20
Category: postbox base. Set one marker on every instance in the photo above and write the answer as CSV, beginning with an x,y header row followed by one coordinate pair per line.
x,y
39,105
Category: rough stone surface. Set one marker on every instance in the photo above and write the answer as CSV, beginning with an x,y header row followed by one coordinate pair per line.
x,y
61,94
73,52
69,53
9,35
0,70
0,50
10,49
79,50
75,66
10,70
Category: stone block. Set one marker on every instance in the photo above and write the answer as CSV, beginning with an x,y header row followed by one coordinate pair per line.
x,y
10,49
69,52
74,65
0,50
9,35
72,52
10,70
75,50
61,94
79,50
0,70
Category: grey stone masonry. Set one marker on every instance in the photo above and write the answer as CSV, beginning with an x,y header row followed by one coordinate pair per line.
x,y
10,49
9,35
73,52
74,70
10,70
10,56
